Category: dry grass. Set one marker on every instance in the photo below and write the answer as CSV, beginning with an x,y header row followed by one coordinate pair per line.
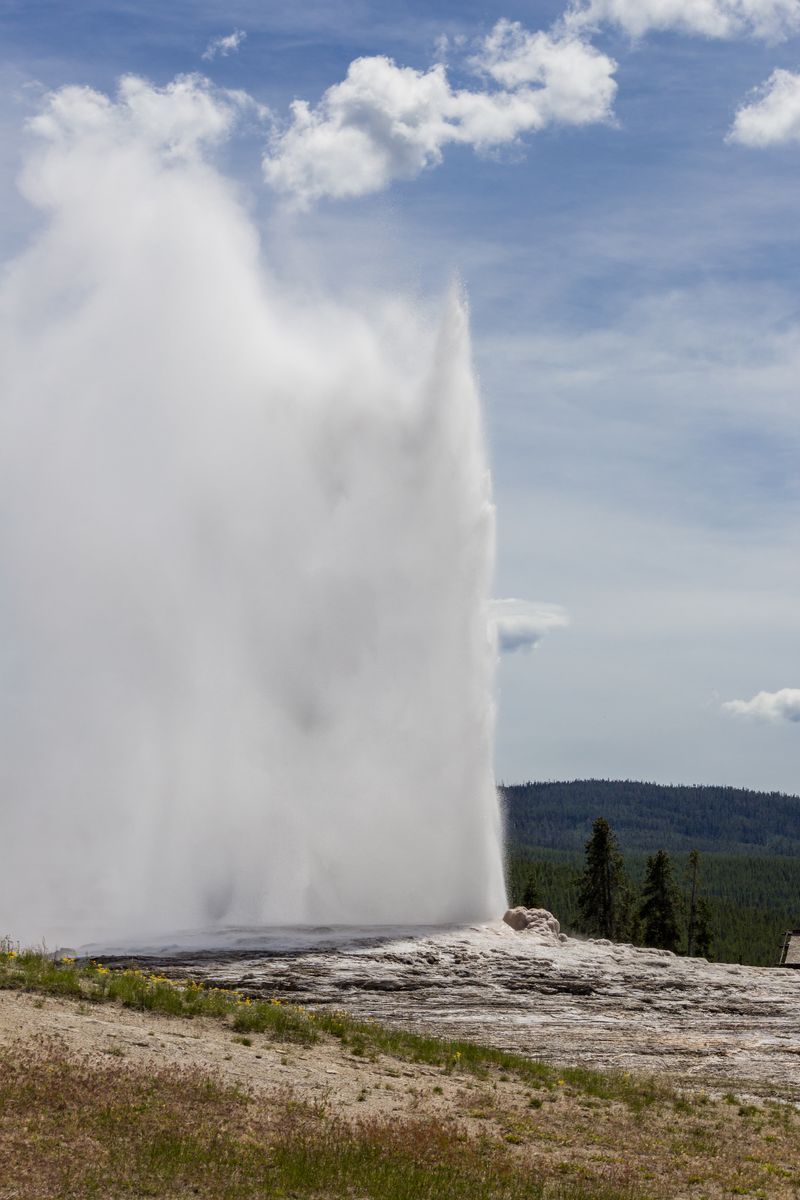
x,y
70,1129
76,1127
456,1120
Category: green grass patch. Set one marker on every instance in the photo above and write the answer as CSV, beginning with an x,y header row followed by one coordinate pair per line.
x,y
38,971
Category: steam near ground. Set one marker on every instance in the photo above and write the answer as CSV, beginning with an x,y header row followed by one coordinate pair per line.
x,y
245,545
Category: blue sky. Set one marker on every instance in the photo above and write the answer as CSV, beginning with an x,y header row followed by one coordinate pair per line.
x,y
633,281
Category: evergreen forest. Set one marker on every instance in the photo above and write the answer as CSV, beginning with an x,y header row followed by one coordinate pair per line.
x,y
746,870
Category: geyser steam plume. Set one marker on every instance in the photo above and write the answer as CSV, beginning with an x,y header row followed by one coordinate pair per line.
x,y
245,545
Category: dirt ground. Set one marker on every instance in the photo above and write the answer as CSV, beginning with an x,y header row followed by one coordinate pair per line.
x,y
324,1073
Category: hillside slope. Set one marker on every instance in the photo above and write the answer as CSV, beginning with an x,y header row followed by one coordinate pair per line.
x,y
648,816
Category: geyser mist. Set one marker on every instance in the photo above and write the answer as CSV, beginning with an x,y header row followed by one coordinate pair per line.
x,y
245,546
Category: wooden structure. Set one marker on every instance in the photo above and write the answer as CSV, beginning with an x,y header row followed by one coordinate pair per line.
x,y
790,950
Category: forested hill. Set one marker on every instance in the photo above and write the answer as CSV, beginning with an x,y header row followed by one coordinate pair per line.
x,y
651,816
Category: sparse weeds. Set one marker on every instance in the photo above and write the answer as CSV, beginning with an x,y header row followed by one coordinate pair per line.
x,y
67,1128
466,1057
284,1022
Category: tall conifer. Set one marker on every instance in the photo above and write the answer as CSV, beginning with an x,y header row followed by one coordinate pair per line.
x,y
660,911
599,895
703,943
530,896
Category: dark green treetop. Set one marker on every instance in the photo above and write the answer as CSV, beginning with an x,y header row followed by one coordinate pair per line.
x,y
531,896
601,883
660,908
699,937
703,941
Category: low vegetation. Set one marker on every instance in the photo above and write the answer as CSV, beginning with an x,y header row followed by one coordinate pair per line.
x,y
36,970
465,1122
69,1129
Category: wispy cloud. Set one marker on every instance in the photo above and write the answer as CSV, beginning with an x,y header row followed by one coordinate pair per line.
x,y
521,624
773,116
783,705
771,20
384,122
223,46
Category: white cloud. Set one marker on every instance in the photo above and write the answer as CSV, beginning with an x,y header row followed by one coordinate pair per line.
x,y
774,115
574,78
521,624
385,122
179,119
783,705
223,46
771,20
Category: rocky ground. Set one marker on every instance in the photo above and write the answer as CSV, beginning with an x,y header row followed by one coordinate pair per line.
x,y
559,999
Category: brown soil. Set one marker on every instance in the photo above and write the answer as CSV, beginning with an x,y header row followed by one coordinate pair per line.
x,y
325,1071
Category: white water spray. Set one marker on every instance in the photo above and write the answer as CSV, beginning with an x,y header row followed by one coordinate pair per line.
x,y
245,546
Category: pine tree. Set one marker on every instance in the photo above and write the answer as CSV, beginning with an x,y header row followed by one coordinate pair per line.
x,y
693,871
531,897
660,909
703,937
629,923
599,895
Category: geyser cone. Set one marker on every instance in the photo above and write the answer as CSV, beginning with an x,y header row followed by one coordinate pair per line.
x,y
246,545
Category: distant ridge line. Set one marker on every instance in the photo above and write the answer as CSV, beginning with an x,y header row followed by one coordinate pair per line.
x,y
717,787
650,816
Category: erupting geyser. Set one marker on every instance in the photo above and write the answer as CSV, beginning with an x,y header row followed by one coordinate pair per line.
x,y
245,546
